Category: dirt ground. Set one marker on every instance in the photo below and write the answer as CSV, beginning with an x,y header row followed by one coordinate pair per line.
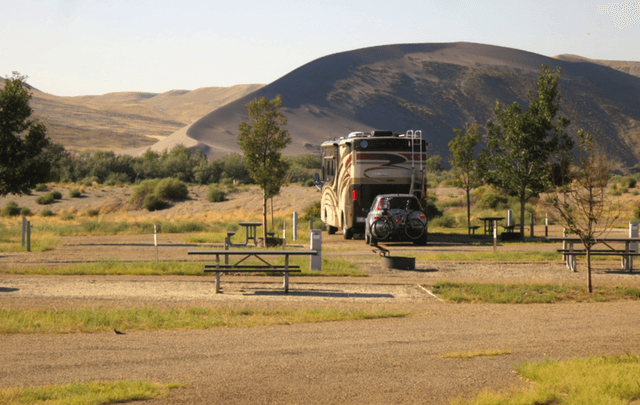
x,y
376,361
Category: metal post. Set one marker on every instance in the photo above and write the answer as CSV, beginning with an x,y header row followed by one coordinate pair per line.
x,y
227,243
495,237
284,234
295,226
633,247
28,236
546,225
155,239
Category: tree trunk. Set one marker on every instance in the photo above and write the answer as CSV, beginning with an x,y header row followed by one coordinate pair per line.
x,y
468,207
522,203
264,220
589,269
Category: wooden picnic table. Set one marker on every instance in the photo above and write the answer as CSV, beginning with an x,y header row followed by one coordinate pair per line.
x,y
240,266
488,223
251,231
569,253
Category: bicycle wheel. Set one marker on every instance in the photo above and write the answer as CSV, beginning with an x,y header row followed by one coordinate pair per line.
x,y
381,228
414,227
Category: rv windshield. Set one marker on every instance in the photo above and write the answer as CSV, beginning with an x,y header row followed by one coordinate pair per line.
x,y
386,144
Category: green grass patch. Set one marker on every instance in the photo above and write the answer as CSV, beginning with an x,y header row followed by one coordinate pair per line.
x,y
109,266
468,355
529,293
594,380
86,393
89,320
531,256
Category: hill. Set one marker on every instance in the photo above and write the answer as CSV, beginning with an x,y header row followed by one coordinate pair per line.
x,y
435,88
125,120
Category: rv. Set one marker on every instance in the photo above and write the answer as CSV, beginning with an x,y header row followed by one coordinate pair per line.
x,y
356,168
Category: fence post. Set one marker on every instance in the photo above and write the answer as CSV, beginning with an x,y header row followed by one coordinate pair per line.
x,y
28,236
24,230
495,237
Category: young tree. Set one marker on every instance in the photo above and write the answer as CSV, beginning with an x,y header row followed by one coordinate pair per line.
x,y
465,166
262,141
581,201
22,165
523,145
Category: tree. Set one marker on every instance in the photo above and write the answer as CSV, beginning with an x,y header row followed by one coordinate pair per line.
x,y
262,141
22,165
524,145
464,165
581,201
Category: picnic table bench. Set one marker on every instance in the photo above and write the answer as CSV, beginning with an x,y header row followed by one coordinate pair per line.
x,y
240,266
569,254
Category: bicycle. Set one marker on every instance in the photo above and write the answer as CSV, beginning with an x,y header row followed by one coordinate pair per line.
x,y
409,222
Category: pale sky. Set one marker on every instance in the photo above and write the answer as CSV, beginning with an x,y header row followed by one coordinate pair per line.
x,y
92,47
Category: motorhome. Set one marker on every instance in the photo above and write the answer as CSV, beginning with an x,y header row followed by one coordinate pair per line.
x,y
358,167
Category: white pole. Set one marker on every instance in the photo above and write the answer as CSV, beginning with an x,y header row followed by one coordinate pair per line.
x,y
155,239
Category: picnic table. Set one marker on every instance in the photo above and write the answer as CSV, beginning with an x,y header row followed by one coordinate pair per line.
x,y
240,266
488,223
251,231
569,253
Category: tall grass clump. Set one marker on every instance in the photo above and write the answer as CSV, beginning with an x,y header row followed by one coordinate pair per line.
x,y
74,193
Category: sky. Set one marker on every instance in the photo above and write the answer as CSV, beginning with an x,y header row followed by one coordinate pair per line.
x,y
94,47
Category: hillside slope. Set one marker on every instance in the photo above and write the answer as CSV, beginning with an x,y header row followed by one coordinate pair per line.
x,y
435,88
125,120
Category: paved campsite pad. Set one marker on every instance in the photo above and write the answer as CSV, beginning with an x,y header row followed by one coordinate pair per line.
x,y
376,361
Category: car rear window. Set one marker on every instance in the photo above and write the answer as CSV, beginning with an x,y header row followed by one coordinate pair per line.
x,y
400,203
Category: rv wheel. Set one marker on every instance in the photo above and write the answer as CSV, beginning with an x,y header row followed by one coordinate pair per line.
x,y
347,233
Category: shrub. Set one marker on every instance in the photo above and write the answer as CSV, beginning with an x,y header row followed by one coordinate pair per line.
x,y
309,183
89,181
11,209
215,194
74,193
631,182
41,187
636,212
92,212
46,212
141,191
311,211
445,221
171,189
25,212
117,178
56,194
153,203
492,199
45,199
66,216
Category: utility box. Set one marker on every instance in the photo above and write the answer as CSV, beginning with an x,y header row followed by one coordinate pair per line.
x,y
316,244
